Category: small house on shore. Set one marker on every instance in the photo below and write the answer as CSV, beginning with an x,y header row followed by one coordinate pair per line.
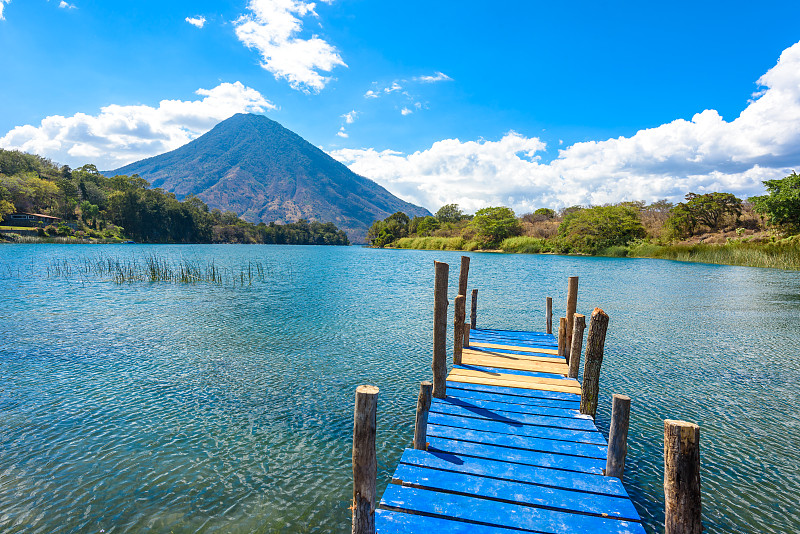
x,y
29,219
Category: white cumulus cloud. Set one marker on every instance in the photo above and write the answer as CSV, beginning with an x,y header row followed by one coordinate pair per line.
x,y
438,77
350,117
65,5
704,154
119,135
406,111
198,21
3,5
272,27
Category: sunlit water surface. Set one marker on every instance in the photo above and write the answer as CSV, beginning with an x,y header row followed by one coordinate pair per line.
x,y
156,407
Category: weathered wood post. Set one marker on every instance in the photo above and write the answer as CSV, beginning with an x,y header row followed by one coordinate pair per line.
x,y
440,330
595,341
577,345
458,328
365,463
466,335
682,478
562,337
463,276
572,304
549,315
474,311
618,435
421,425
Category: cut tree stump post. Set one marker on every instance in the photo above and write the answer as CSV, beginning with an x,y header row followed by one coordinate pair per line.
x,y
458,328
577,344
463,276
474,311
466,335
365,463
618,435
572,303
549,315
562,337
421,425
682,478
595,342
440,330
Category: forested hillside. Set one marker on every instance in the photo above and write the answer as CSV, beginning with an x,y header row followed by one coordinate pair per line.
x,y
94,206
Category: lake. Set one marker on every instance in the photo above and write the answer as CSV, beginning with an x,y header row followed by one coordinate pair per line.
x,y
162,407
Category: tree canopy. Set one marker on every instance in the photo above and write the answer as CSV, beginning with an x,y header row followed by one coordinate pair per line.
x,y
494,224
782,204
590,230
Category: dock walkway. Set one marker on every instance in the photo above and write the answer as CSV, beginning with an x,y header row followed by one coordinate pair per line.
x,y
507,451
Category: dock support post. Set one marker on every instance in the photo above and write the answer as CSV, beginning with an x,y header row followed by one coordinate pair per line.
x,y
577,345
474,311
463,276
421,425
440,330
365,463
595,342
682,478
618,435
458,328
549,315
572,304
466,335
562,337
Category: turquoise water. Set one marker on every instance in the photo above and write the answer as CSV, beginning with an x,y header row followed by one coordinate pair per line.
x,y
156,407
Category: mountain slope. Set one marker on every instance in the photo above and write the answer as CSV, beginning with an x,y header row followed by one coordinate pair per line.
x,y
254,166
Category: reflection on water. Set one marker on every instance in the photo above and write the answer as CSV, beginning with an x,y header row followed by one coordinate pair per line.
x,y
208,408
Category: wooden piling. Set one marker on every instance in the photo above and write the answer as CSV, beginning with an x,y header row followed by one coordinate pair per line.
x,y
595,341
549,315
440,330
463,276
618,435
682,478
365,463
577,344
572,304
562,337
421,425
458,328
474,311
466,335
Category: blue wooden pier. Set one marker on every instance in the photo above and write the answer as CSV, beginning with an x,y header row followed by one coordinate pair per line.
x,y
507,451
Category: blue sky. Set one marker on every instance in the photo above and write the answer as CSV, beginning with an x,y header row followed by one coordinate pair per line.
x,y
518,103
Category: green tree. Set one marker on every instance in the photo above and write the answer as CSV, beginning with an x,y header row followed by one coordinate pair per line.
x,y
449,213
710,210
782,204
427,225
590,230
494,224
545,212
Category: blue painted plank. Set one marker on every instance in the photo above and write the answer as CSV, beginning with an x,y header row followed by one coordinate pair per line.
x,y
540,458
389,522
543,476
554,357
509,427
487,393
587,450
494,370
515,492
521,392
502,514
480,402
512,418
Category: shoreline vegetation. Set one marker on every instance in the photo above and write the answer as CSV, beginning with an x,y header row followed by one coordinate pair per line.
x,y
717,228
84,206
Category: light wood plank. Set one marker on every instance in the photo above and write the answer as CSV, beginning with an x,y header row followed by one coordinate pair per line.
x,y
517,365
515,384
512,357
511,347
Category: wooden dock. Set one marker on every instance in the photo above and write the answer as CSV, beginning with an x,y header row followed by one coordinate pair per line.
x,y
507,451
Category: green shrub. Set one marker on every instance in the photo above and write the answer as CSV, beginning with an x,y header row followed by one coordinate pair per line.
x,y
590,230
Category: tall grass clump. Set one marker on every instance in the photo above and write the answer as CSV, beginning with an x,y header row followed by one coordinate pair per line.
x,y
526,245
782,254
431,243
